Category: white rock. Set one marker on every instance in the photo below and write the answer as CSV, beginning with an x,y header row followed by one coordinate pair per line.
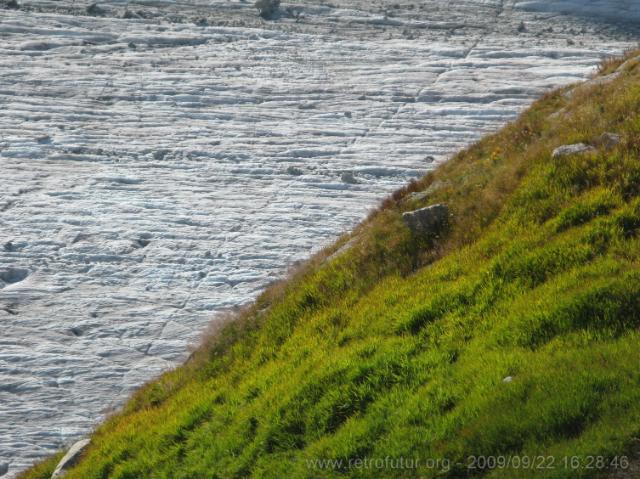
x,y
507,379
566,150
70,458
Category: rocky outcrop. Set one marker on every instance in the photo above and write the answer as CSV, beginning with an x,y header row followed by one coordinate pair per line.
x,y
566,150
70,458
427,222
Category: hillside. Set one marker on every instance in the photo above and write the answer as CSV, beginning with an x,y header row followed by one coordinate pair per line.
x,y
514,333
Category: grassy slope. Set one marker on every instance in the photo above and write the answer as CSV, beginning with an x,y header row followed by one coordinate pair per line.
x,y
399,347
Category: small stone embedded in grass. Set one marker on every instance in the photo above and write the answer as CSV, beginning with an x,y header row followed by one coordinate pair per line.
x,y
609,140
566,150
421,195
557,114
417,195
344,248
508,379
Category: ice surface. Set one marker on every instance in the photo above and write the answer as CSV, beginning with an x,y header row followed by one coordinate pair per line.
x,y
158,168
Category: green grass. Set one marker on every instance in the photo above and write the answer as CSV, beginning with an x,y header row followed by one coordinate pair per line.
x,y
398,347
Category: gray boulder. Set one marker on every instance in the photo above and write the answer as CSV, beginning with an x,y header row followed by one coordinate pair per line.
x,y
4,468
267,8
566,150
429,221
94,10
70,458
